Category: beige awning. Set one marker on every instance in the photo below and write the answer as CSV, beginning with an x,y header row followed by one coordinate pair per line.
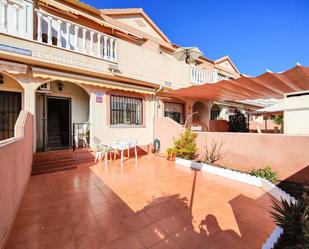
x,y
13,67
76,11
266,86
54,75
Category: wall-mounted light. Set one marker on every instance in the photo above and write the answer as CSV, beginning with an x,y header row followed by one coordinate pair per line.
x,y
1,80
60,86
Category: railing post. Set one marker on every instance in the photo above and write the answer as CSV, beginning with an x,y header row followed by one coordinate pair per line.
x,y
115,50
68,36
59,24
49,30
91,42
39,28
3,22
99,54
105,46
84,40
16,18
76,29
111,49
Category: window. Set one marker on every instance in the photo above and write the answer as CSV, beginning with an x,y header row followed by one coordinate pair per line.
x,y
10,106
215,112
174,111
126,110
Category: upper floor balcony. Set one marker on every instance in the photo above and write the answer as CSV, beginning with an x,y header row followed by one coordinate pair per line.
x,y
20,19
37,37
201,76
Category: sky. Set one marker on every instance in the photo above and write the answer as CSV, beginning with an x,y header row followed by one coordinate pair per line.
x,y
257,35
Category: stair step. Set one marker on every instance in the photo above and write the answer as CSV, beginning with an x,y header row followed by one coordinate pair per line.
x,y
58,160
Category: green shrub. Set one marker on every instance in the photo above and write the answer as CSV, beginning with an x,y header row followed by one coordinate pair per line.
x,y
278,119
266,173
238,122
185,146
294,219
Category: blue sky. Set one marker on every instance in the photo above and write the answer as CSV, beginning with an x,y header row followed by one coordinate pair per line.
x,y
257,35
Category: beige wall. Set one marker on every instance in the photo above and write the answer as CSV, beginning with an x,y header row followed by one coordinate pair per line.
x,y
134,61
15,170
131,21
296,115
101,131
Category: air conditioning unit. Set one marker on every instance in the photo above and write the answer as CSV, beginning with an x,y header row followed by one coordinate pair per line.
x,y
44,88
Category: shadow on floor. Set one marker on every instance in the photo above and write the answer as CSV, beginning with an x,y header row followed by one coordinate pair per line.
x,y
77,209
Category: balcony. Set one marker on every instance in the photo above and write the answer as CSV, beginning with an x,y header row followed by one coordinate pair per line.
x,y
16,19
201,76
47,40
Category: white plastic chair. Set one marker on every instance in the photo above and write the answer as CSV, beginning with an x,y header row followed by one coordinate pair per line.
x,y
106,148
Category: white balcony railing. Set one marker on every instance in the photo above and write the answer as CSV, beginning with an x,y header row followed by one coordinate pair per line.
x,y
16,18
71,36
201,76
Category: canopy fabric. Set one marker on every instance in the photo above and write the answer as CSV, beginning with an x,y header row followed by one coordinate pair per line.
x,y
183,53
53,75
276,108
266,86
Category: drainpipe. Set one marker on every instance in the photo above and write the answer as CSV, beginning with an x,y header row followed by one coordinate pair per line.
x,y
155,109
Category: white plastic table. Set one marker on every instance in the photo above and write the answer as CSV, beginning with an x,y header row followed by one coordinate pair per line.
x,y
123,145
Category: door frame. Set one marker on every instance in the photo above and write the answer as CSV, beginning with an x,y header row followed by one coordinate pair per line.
x,y
45,120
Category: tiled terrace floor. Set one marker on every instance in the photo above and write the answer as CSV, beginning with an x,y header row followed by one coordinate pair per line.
x,y
148,204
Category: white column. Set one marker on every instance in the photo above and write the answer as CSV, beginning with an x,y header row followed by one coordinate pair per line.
x,y
39,27
111,49
68,36
59,25
49,30
115,50
105,46
91,42
84,40
99,45
16,18
76,28
3,22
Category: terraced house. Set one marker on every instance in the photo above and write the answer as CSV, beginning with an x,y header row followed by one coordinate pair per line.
x,y
110,80
104,72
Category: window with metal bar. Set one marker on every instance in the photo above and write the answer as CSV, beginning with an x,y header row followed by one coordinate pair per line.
x,y
126,110
10,106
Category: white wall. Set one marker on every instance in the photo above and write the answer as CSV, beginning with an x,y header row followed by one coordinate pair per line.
x,y
296,114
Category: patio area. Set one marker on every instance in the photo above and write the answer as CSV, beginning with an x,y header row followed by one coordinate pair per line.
x,y
149,203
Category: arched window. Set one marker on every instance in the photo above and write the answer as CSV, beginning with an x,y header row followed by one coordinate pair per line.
x,y
215,112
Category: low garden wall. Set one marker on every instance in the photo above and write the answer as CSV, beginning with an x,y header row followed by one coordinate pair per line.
x,y
288,155
15,170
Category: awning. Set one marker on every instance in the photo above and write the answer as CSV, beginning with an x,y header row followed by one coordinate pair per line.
x,y
76,11
54,75
13,67
276,108
266,86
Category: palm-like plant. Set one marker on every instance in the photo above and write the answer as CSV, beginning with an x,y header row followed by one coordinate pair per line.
x,y
293,217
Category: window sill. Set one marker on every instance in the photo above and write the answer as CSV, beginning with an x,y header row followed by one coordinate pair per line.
x,y
127,126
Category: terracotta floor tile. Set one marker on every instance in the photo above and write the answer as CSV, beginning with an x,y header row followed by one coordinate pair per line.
x,y
150,203
167,243
150,235
130,242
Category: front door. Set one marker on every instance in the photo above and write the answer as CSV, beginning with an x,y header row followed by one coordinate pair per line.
x,y
58,122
